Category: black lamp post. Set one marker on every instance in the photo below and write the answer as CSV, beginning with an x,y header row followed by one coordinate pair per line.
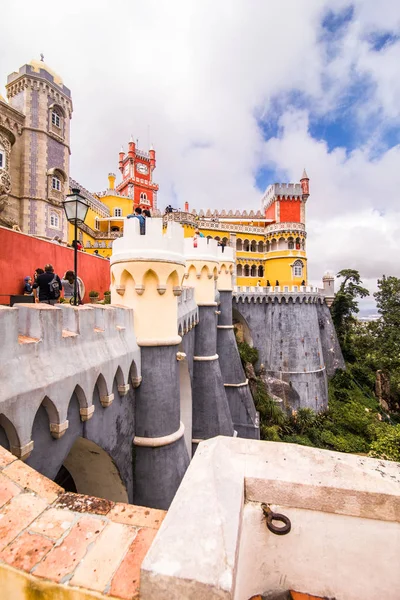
x,y
76,208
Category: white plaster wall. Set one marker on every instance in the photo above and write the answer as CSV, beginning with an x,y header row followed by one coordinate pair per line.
x,y
324,554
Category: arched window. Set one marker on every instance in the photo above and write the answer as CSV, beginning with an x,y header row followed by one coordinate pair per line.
x,y
246,246
217,238
97,223
55,119
297,243
56,183
2,157
239,245
290,243
261,271
260,247
253,271
282,244
273,245
239,271
117,212
297,268
246,271
268,246
54,220
253,246
143,197
225,241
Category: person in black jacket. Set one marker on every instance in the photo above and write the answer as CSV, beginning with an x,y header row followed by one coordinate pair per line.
x,y
49,285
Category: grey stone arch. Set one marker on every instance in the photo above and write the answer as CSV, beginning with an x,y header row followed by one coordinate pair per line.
x,y
239,244
93,471
186,401
253,246
9,438
239,270
260,271
260,246
241,324
49,452
253,271
246,245
246,271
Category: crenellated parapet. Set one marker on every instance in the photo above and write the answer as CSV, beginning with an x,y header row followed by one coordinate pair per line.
x,y
52,353
281,294
188,311
146,275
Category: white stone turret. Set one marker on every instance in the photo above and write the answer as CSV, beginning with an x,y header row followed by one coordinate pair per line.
x,y
146,275
202,265
329,287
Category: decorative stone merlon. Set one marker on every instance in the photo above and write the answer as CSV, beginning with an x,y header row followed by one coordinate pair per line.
x,y
87,413
57,430
107,400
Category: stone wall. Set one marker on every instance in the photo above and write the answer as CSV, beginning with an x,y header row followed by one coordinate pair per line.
x,y
296,341
70,373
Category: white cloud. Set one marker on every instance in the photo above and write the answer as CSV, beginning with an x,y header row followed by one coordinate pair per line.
x,y
192,77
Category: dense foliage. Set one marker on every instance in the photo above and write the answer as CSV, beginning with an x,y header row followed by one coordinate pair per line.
x,y
356,421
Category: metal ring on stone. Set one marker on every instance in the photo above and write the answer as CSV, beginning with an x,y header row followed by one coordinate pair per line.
x,y
271,516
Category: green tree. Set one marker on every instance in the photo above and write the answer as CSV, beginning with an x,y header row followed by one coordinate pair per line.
x,y
345,307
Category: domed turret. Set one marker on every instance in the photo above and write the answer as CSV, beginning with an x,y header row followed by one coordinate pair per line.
x,y
40,64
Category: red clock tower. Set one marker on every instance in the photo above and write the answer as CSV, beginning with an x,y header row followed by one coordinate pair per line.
x,y
137,169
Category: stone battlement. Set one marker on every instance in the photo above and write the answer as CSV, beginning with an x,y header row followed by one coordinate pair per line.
x,y
281,190
52,353
157,244
188,311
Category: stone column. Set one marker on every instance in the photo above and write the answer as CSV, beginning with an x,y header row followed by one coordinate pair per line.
x,y
146,271
211,415
244,415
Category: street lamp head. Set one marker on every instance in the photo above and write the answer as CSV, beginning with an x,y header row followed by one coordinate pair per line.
x,y
75,206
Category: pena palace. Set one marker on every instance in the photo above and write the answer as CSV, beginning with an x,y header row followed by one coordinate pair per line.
x,y
269,244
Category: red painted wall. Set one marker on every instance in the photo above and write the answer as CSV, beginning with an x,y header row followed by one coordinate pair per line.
x,y
290,211
21,254
270,212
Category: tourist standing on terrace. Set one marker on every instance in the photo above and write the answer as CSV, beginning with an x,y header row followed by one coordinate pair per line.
x,y
49,285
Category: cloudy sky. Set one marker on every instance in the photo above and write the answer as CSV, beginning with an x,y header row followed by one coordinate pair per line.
x,y
234,95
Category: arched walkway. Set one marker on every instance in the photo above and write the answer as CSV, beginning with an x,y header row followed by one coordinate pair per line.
x,y
94,472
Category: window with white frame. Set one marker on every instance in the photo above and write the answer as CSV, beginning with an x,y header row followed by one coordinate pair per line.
x,y
298,269
117,212
55,119
56,183
54,220
96,223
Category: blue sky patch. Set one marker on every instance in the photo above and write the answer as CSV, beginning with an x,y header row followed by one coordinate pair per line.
x,y
379,41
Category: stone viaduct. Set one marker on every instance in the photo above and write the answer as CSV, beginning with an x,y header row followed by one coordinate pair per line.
x,y
112,401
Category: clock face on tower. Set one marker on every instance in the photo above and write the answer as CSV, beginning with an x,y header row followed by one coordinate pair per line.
x,y
141,168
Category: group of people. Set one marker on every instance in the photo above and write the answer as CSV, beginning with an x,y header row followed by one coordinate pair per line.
x,y
46,286
141,215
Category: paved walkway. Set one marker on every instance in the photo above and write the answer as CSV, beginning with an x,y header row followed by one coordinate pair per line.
x,y
66,545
